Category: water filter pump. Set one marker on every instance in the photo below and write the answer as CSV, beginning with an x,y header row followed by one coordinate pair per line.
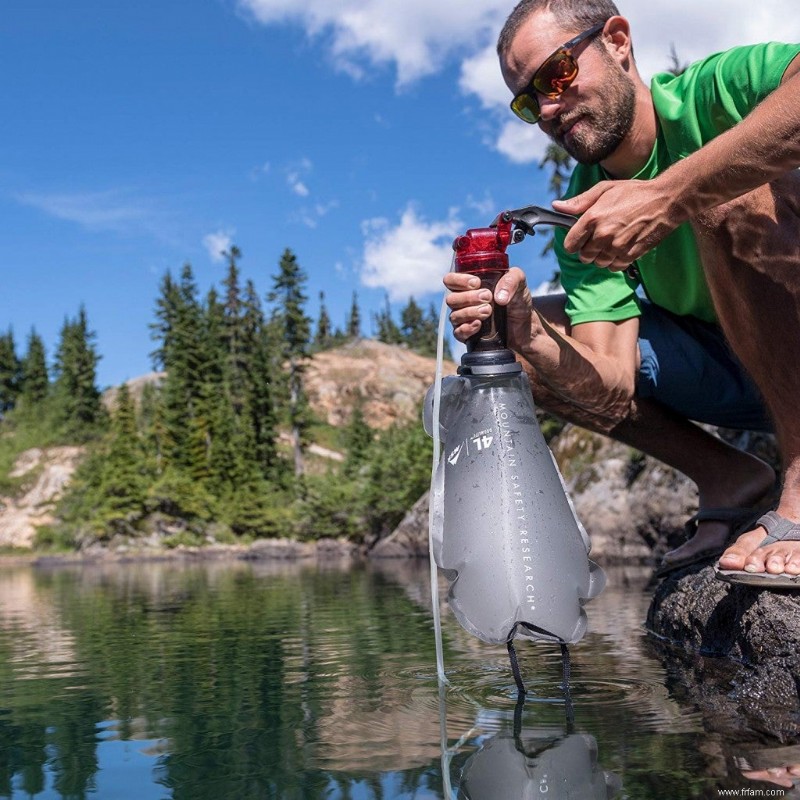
x,y
504,530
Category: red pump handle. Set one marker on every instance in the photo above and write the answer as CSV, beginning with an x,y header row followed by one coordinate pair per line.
x,y
482,250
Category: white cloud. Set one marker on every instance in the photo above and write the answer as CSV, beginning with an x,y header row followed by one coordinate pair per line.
x,y
417,37
218,243
480,75
485,206
296,185
310,217
699,29
97,211
296,174
259,172
521,143
410,258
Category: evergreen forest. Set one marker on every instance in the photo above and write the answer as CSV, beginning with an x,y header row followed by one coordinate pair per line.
x,y
215,450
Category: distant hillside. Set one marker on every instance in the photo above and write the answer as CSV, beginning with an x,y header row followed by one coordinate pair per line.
x,y
391,379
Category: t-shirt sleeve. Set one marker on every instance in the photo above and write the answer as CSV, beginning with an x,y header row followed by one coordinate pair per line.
x,y
594,294
718,92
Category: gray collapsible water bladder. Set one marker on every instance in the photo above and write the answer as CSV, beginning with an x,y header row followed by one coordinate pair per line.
x,y
503,528
505,532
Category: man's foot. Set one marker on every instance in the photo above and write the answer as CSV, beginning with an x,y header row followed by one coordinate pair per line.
x,y
773,557
711,535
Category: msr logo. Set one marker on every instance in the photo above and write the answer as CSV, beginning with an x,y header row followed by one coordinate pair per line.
x,y
453,457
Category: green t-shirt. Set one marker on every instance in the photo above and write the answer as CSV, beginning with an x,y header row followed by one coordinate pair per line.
x,y
710,97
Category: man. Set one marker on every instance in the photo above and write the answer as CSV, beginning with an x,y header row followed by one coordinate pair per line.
x,y
692,179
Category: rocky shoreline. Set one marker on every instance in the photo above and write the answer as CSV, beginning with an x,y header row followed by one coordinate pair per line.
x,y
325,550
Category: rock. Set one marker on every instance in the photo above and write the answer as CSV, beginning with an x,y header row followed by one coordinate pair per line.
x,y
21,516
275,549
136,387
632,506
756,631
336,549
391,380
410,538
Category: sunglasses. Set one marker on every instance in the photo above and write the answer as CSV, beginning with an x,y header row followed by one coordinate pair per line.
x,y
552,78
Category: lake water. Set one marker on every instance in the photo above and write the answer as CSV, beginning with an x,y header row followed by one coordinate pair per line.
x,y
249,680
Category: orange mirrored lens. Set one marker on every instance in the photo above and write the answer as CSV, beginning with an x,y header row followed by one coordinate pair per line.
x,y
556,74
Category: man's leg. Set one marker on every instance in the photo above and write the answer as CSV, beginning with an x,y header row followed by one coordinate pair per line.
x,y
750,249
725,476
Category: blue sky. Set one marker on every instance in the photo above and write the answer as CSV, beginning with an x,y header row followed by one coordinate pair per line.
x,y
364,135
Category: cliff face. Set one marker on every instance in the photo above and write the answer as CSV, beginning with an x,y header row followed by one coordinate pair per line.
x,y
391,381
46,472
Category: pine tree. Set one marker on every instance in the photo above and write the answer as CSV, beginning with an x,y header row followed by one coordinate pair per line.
x,y
151,424
9,373
411,324
237,357
108,492
388,331
295,329
218,413
123,481
676,66
429,334
354,319
358,438
398,472
181,329
261,386
78,398
323,336
162,330
35,379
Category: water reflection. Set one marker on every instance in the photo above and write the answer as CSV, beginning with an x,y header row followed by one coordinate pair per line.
x,y
519,762
254,680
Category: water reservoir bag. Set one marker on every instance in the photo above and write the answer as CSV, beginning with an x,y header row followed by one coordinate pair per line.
x,y
504,530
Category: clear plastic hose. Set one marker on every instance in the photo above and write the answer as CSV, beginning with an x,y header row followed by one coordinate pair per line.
x,y
437,447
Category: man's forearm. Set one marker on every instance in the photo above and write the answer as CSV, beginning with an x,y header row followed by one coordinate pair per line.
x,y
764,146
573,381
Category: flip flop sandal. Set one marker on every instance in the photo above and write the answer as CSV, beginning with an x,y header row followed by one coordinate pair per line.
x,y
739,518
779,529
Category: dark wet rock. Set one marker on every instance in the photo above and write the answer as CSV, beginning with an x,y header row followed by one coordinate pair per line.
x,y
410,538
735,648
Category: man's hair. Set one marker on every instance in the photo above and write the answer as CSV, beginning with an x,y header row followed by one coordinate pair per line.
x,y
578,14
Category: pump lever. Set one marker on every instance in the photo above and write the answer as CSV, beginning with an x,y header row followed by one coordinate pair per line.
x,y
526,219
